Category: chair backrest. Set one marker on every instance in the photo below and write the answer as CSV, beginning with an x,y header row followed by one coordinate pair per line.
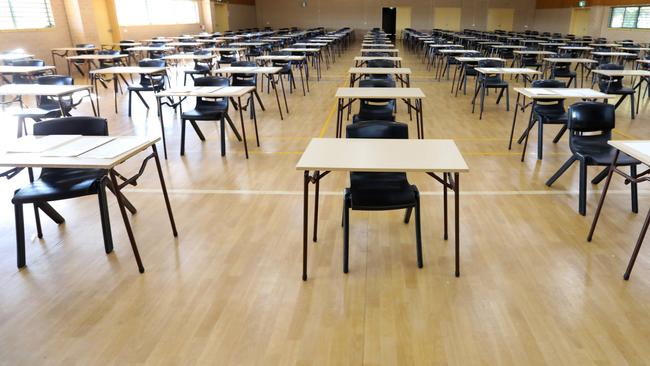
x,y
147,80
90,47
43,100
89,126
244,79
381,63
30,62
377,130
550,83
490,63
204,103
607,84
591,117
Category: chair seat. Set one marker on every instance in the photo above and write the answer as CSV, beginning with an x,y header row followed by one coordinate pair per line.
x,y
381,191
198,69
204,114
57,184
619,91
495,83
564,74
596,153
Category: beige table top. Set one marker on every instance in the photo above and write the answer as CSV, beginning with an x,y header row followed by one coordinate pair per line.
x,y
387,50
380,93
604,45
611,73
248,70
188,56
507,46
371,45
457,51
562,93
534,53
576,48
75,49
613,54
291,49
476,59
148,48
224,49
215,41
134,44
642,61
447,45
95,57
24,69
370,58
280,58
307,44
35,89
80,162
552,44
634,48
638,149
164,40
183,44
206,91
129,70
568,60
507,70
248,44
382,155
14,56
380,70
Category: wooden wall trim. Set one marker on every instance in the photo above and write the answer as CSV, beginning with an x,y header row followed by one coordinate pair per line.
x,y
549,4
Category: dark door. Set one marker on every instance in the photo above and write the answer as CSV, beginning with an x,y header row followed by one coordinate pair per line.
x,y
388,16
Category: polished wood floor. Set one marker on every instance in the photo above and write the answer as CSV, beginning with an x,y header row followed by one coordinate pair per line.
x,y
228,291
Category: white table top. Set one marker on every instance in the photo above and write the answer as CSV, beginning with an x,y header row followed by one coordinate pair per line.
x,y
476,59
507,70
24,69
638,149
506,46
613,54
248,70
248,44
36,89
370,58
387,50
148,48
183,44
14,56
534,53
74,49
382,155
280,58
298,49
95,57
80,162
379,70
206,91
371,45
456,51
561,93
128,70
380,93
622,72
576,48
569,60
188,56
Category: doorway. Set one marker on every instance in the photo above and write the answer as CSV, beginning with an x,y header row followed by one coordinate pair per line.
x,y
105,21
388,21
580,21
219,17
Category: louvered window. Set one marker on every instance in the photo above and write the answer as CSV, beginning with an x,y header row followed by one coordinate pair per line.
x,y
25,14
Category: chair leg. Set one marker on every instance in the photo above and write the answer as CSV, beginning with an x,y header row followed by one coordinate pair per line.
x,y
223,135
559,134
407,215
540,140
183,122
105,218
418,231
634,190
632,105
129,103
561,171
507,99
500,96
142,99
232,126
197,130
346,233
582,189
259,100
20,234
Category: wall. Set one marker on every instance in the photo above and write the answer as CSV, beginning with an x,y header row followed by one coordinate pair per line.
x,y
365,14
559,19
241,16
39,42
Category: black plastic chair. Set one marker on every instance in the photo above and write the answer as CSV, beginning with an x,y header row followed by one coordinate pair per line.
x,y
46,106
227,57
208,109
379,63
563,70
380,191
614,86
201,67
60,184
545,112
487,82
78,63
590,125
375,109
286,68
26,79
247,79
152,83
469,69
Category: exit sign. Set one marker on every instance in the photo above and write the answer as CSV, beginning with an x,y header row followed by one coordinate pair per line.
x,y
582,3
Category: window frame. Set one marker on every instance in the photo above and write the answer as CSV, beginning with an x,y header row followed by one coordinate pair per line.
x,y
636,20
50,19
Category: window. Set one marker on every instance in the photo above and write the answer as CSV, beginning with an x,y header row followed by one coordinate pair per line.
x,y
147,12
25,14
631,17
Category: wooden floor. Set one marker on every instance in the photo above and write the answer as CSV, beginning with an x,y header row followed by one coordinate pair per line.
x,y
228,290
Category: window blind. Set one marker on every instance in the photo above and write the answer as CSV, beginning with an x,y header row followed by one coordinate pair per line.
x,y
25,14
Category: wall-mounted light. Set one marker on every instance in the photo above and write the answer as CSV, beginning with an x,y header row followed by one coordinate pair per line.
x,y
304,3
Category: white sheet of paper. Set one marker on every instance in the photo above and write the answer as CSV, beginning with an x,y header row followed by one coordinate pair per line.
x,y
116,147
36,144
78,146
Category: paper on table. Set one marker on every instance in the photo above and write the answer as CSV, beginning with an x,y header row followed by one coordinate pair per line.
x,y
541,91
78,146
116,147
35,144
